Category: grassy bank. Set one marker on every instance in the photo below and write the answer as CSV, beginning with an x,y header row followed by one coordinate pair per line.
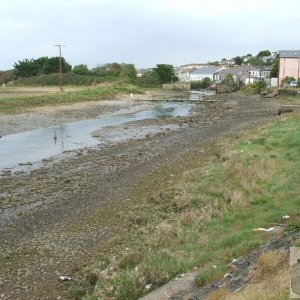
x,y
21,103
199,214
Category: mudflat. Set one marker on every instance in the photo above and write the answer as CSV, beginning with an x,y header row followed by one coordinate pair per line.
x,y
51,218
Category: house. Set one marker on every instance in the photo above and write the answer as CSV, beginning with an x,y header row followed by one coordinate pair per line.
x,y
210,72
289,64
266,72
183,73
243,74
235,73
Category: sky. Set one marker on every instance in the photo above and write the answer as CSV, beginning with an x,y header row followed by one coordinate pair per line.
x,y
145,32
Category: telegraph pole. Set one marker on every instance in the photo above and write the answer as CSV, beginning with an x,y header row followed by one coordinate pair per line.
x,y
60,66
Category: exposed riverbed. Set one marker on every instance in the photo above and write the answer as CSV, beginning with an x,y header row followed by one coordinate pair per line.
x,y
51,218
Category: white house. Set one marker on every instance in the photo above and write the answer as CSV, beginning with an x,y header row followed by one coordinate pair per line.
x,y
183,74
210,72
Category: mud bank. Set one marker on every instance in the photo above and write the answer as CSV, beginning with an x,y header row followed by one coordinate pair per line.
x,y
51,221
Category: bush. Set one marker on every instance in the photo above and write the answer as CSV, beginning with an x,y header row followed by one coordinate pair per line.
x,y
201,84
259,86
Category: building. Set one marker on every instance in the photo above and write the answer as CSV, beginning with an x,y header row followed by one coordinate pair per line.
x,y
289,64
244,74
183,73
206,72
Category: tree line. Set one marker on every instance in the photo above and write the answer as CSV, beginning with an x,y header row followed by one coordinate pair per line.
x,y
162,73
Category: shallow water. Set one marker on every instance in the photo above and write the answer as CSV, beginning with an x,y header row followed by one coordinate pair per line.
x,y
39,144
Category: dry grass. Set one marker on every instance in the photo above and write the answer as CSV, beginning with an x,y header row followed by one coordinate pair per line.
x,y
219,294
270,280
275,287
182,199
269,263
190,217
165,234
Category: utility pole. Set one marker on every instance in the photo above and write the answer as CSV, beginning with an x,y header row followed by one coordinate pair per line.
x,y
60,66
249,72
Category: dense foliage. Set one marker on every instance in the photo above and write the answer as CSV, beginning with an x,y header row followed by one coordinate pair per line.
x,y
149,79
201,84
42,65
81,70
165,73
238,60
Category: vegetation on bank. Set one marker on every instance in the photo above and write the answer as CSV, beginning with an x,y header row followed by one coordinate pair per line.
x,y
201,216
67,79
44,71
103,92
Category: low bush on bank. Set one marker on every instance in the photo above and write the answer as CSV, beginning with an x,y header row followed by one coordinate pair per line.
x,y
202,217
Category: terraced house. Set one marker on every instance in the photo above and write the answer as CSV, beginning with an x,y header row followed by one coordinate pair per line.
x,y
289,64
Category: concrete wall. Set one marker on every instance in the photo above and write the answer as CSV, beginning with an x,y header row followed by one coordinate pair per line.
x,y
289,67
274,81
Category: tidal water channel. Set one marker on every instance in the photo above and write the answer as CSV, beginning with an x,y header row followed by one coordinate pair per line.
x,y
26,148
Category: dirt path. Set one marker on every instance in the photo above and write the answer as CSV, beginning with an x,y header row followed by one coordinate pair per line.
x,y
51,221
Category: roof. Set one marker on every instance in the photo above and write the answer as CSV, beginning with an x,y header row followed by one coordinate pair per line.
x,y
289,53
207,70
230,71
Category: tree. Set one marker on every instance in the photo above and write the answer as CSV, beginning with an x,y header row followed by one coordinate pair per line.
x,y
42,65
53,65
238,60
81,69
128,73
149,79
109,69
275,67
165,73
26,68
263,53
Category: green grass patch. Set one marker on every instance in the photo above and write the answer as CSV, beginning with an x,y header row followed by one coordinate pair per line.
x,y
108,91
205,218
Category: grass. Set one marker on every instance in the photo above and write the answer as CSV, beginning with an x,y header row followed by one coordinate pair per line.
x,y
108,91
202,216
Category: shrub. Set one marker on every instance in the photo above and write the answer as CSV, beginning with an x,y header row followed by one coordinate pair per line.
x,y
201,84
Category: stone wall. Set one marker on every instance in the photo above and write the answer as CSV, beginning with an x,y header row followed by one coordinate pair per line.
x,y
223,88
177,86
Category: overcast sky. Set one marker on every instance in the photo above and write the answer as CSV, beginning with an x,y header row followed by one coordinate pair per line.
x,y
145,32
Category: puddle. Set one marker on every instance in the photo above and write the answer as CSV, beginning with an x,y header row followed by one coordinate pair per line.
x,y
33,146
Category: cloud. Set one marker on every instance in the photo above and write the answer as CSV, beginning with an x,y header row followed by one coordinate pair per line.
x,y
145,32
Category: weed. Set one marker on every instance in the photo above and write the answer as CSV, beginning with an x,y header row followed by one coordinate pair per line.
x,y
291,228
